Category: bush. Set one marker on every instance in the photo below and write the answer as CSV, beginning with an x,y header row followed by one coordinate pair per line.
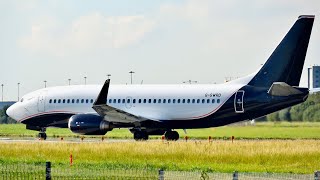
x,y
312,113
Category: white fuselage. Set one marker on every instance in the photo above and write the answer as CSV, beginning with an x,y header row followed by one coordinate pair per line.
x,y
154,102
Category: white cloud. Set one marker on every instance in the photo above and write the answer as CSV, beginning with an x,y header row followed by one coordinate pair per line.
x,y
86,33
191,10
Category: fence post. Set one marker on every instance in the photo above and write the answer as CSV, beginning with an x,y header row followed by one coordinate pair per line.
x,y
317,175
48,170
235,175
161,174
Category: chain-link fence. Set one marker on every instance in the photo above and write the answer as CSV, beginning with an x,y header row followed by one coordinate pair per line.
x,y
46,171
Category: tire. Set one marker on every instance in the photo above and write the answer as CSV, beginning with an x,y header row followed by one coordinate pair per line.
x,y
140,135
42,135
171,135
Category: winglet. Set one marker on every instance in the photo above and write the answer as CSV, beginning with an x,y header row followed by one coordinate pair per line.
x,y
102,97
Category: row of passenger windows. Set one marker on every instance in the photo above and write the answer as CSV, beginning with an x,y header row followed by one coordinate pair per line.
x,y
159,101
164,101
71,101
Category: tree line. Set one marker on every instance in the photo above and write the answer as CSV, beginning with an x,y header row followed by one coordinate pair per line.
x,y
4,118
308,111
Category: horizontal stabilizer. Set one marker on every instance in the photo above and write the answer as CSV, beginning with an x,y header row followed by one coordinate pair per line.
x,y
282,89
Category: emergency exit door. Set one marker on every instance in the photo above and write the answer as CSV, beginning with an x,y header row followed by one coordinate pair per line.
x,y
238,102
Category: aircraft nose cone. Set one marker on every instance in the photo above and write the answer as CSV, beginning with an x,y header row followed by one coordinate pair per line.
x,y
10,112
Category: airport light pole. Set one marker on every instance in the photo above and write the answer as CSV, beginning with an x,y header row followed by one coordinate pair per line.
x,y
69,81
45,83
18,91
131,72
85,80
2,92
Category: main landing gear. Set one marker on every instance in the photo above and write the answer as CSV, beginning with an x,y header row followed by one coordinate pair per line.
x,y
171,135
140,135
143,134
42,134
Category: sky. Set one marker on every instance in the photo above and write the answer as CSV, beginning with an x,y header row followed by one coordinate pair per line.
x,y
163,42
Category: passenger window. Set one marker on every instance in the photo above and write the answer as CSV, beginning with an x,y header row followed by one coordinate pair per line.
x,y
154,101
164,100
134,101
54,101
72,101
110,101
68,101
178,101
149,101
183,101
123,101
128,101
202,100
82,100
77,101
212,100
87,100
198,101
144,101
174,101
119,101
139,101
218,101
188,101
50,101
59,101
91,101
169,101
159,101
193,100
208,100
114,101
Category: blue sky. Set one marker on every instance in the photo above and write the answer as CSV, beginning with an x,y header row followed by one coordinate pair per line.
x,y
164,42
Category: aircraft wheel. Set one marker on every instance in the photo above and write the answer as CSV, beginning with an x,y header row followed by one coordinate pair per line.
x,y
140,135
42,135
171,135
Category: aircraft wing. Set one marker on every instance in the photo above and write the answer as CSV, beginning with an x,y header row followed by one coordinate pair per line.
x,y
110,113
282,89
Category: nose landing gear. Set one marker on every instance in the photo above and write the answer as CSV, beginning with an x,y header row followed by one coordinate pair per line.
x,y
42,134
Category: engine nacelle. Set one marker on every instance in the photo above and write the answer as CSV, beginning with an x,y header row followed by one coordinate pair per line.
x,y
89,124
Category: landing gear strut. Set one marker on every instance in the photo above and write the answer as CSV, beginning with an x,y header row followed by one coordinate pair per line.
x,y
42,134
171,135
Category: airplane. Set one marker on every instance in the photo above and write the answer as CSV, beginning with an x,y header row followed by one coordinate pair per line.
x,y
160,109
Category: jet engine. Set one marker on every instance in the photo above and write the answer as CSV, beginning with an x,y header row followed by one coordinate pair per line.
x,y
89,124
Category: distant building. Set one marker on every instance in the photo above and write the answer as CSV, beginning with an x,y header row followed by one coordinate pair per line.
x,y
5,103
314,90
314,77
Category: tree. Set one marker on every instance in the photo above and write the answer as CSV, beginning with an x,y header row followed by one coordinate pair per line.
x,y
4,118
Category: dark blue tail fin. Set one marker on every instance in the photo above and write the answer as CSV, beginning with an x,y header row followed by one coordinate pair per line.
x,y
286,62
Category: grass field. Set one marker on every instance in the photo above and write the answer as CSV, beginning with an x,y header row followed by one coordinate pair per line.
x,y
283,130
294,156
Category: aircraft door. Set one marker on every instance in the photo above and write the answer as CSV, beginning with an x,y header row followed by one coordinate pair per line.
x,y
128,102
41,102
238,102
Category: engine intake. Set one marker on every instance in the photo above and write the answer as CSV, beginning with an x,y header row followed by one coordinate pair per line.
x,y
89,124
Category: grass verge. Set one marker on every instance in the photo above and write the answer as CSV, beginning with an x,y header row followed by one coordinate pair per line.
x,y
284,130
285,156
